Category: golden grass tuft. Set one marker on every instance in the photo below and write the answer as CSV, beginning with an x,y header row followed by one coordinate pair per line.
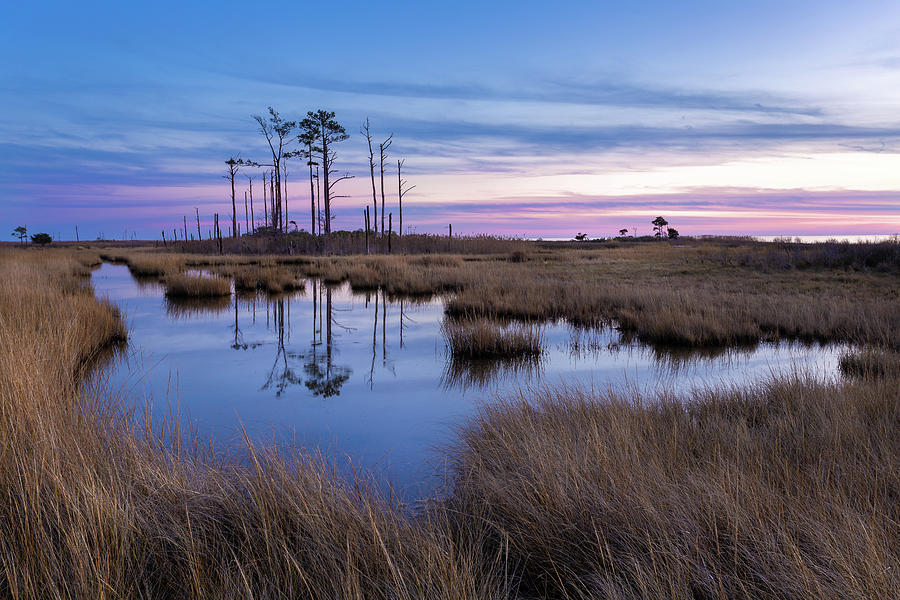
x,y
182,285
480,338
271,279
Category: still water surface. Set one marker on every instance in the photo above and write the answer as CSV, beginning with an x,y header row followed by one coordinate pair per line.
x,y
368,379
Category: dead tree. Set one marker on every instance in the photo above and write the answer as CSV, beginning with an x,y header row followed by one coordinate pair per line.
x,y
365,131
277,132
234,164
252,215
265,203
402,188
382,151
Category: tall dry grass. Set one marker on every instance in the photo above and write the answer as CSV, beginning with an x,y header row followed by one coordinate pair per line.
x,y
93,504
783,489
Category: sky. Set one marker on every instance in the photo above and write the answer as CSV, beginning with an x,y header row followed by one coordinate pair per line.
x,y
514,118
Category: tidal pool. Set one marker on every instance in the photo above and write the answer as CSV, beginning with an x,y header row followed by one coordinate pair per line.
x,y
367,379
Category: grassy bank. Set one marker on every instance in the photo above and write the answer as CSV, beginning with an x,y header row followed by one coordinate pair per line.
x,y
782,490
691,294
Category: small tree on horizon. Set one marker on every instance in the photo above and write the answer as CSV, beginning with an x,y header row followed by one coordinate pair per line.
x,y
673,233
658,224
623,232
581,237
20,232
42,239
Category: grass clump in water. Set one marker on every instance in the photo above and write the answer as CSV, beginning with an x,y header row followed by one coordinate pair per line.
x,y
272,280
481,338
182,285
869,362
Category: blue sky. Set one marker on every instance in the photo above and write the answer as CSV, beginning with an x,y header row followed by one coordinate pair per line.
x,y
517,118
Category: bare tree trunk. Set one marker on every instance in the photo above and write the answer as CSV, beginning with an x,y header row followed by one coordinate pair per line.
x,y
285,222
327,190
197,210
272,199
233,205
265,202
246,216
252,216
400,197
318,201
372,172
312,191
382,147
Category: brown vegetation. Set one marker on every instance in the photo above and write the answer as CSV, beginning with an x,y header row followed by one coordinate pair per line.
x,y
786,489
183,285
270,279
481,338
870,362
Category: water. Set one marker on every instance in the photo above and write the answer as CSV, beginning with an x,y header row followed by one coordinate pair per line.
x,y
367,379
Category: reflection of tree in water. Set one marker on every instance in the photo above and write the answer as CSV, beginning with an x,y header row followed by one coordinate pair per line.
x,y
316,367
386,361
316,370
323,377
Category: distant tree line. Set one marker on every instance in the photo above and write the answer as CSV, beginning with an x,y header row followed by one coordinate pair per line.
x,y
661,230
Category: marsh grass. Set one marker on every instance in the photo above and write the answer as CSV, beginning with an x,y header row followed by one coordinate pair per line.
x,y
96,504
183,285
270,279
782,489
869,362
481,338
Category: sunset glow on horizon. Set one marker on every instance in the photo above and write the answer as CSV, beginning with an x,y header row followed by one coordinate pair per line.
x,y
513,119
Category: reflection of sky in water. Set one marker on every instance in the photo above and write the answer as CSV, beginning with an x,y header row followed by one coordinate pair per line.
x,y
383,390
